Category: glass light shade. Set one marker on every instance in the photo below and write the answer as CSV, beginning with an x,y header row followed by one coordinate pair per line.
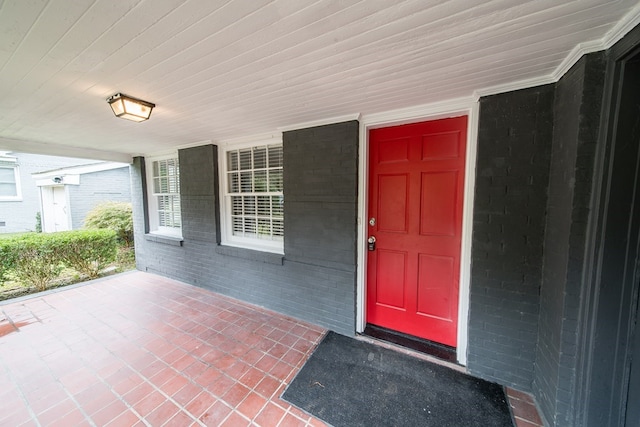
x,y
129,108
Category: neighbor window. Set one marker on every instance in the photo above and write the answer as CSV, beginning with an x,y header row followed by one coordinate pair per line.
x,y
253,197
9,179
164,200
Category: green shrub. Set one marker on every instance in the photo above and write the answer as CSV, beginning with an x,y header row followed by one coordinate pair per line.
x,y
38,222
37,259
88,251
126,259
34,260
6,257
116,216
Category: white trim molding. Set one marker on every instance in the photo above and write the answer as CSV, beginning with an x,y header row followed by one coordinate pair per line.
x,y
9,161
227,237
152,199
452,108
321,122
252,140
439,110
71,175
513,86
467,232
33,147
626,24
574,56
57,181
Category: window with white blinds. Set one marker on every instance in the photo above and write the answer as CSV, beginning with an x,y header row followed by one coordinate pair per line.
x,y
164,204
254,197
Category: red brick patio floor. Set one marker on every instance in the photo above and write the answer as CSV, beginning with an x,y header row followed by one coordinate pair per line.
x,y
139,349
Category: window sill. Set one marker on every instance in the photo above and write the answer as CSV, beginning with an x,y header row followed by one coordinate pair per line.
x,y
167,240
249,254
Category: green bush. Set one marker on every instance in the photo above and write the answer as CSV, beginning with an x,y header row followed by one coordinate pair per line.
x,y
38,222
116,216
6,257
34,260
37,259
126,258
88,251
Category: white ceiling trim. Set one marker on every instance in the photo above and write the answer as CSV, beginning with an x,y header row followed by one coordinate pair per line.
x,y
574,56
251,139
33,147
322,122
194,144
625,25
174,151
436,110
512,86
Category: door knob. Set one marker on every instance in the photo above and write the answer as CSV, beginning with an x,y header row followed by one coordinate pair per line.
x,y
371,243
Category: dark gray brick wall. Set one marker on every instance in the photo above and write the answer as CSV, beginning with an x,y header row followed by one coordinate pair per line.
x,y
321,195
514,145
110,185
199,194
562,175
536,152
577,108
311,282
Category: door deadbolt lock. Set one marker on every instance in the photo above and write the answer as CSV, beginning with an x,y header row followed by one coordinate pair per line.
x,y
372,221
371,243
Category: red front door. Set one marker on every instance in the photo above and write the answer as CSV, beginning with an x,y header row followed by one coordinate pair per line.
x,y
416,186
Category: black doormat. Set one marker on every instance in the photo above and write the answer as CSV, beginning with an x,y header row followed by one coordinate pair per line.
x,y
347,382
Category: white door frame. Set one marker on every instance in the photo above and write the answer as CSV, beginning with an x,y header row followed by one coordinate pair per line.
x,y
457,107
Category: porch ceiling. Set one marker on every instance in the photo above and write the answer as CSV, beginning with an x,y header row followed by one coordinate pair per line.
x,y
224,69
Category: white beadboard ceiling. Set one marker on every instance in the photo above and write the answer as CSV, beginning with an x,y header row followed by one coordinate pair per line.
x,y
227,69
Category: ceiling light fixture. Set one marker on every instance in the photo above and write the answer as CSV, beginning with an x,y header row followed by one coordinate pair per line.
x,y
129,108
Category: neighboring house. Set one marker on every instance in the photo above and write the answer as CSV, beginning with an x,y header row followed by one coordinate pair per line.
x,y
538,297
69,194
19,195
62,189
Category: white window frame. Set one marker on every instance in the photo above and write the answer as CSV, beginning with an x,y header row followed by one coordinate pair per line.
x,y
227,238
152,199
12,163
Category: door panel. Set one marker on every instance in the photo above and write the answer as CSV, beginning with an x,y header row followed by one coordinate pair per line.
x,y
438,203
435,275
415,200
392,215
441,146
391,266
60,209
392,151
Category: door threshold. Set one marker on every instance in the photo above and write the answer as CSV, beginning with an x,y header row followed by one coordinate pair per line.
x,y
420,345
